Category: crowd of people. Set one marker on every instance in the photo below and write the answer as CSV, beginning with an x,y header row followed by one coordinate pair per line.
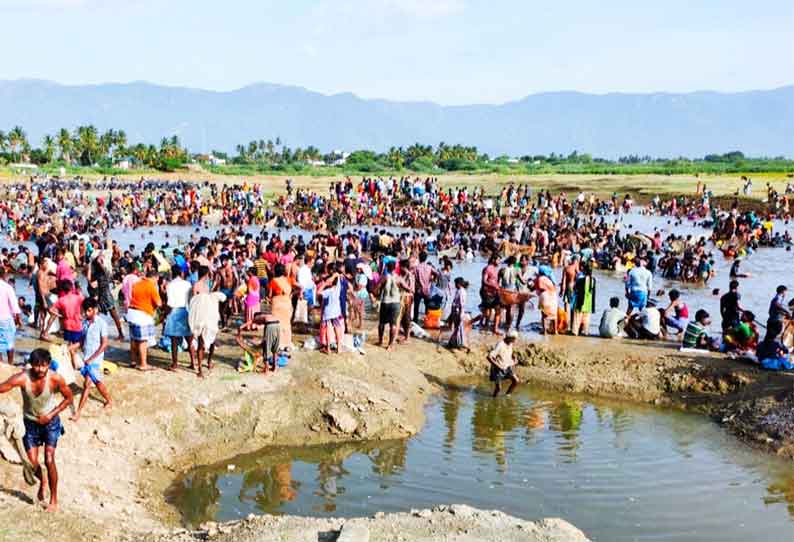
x,y
354,263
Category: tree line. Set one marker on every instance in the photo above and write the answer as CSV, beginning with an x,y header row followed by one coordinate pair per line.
x,y
87,146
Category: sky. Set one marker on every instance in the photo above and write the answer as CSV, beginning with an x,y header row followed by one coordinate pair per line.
x,y
446,51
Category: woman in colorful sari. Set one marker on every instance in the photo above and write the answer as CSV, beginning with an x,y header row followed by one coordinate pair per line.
x,y
584,301
280,295
458,318
252,305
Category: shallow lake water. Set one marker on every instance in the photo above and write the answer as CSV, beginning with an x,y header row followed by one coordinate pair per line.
x,y
619,472
768,267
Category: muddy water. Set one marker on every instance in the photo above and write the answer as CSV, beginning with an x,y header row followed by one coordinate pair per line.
x,y
619,472
768,267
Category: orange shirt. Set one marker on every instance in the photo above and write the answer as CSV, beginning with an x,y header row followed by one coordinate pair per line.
x,y
145,296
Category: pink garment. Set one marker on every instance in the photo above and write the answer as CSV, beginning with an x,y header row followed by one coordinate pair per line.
x,y
9,306
70,306
64,271
126,288
252,299
424,276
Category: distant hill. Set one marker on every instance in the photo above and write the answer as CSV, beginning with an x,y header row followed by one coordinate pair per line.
x,y
759,123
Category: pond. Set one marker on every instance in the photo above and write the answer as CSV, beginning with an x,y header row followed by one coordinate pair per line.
x,y
619,472
768,267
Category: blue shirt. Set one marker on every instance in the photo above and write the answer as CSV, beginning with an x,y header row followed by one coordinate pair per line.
x,y
639,279
93,333
332,306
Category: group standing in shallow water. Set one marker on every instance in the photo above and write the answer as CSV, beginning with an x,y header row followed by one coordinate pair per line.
x,y
193,291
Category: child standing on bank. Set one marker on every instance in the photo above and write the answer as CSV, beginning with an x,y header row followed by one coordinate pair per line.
x,y
95,342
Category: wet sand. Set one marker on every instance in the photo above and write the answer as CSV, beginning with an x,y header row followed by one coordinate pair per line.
x,y
116,466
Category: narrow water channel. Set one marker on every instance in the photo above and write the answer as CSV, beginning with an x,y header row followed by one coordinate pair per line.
x,y
619,472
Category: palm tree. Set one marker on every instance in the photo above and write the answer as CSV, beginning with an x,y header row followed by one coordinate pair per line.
x,y
270,151
139,152
49,147
240,151
16,138
26,150
3,141
106,142
87,143
121,142
65,144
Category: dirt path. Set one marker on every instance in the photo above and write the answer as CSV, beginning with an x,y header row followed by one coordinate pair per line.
x,y
116,466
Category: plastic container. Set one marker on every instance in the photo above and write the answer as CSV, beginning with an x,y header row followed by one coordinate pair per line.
x,y
433,319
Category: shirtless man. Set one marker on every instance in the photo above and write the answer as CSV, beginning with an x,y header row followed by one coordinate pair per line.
x,y
45,281
41,416
489,293
569,273
227,282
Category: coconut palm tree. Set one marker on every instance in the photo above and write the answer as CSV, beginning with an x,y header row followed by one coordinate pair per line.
x,y
270,151
106,142
16,139
139,152
240,151
48,144
87,144
120,143
66,145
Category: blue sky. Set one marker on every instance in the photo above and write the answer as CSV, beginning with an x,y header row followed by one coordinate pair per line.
x,y
447,51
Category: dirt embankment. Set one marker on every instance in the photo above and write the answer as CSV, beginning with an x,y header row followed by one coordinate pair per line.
x,y
116,466
755,405
457,522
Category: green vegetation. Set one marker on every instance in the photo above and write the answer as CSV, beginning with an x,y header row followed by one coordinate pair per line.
x,y
85,147
86,150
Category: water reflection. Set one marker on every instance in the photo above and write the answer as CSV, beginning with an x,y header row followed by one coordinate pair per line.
x,y
330,475
450,405
782,492
532,454
389,460
566,419
269,487
492,422
198,498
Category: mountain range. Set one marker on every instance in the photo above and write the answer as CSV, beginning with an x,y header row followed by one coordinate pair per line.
x,y
758,123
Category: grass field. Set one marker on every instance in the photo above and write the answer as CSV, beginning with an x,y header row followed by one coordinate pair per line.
x,y
641,187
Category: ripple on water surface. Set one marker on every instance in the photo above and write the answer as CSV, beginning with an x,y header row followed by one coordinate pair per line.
x,y
619,472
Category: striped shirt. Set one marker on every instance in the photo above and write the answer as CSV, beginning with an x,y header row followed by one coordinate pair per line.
x,y
693,334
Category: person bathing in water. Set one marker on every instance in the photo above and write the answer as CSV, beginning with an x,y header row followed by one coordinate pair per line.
x,y
42,417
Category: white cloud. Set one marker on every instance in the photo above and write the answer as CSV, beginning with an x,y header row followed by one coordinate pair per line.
x,y
32,4
58,4
375,10
424,9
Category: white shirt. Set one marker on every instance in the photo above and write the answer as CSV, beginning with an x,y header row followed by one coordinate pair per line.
x,y
178,293
651,320
305,277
